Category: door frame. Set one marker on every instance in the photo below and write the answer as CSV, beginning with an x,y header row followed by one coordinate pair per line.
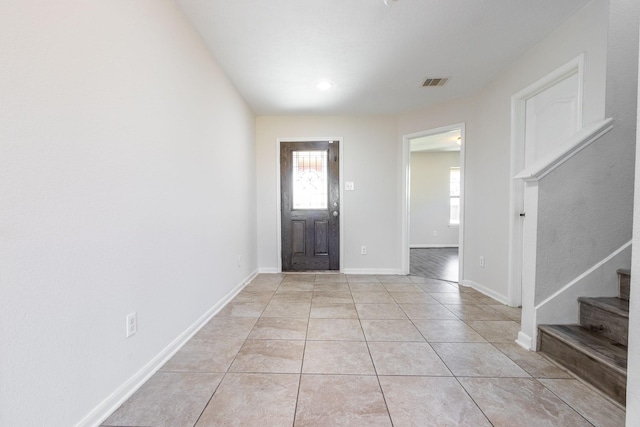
x,y
523,194
278,196
522,260
406,193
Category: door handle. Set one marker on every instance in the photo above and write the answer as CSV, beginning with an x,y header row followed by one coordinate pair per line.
x,y
335,213
522,214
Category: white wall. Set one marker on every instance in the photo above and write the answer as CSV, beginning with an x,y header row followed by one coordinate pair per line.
x,y
127,174
369,212
487,137
369,158
430,199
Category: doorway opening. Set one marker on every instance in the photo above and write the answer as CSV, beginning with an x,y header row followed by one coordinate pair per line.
x,y
309,205
435,263
434,198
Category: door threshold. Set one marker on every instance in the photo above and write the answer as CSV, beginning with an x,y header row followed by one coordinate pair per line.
x,y
313,272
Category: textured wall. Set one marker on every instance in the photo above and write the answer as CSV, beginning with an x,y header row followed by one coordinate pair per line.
x,y
633,375
586,205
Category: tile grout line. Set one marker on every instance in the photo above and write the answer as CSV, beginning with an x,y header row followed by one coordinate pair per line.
x,y
204,408
472,399
375,370
231,364
224,375
367,341
531,376
563,400
430,346
304,352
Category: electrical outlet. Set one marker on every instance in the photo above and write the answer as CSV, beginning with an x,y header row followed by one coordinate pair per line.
x,y
363,250
482,261
132,324
435,233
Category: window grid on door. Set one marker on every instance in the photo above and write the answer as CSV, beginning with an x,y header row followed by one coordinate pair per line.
x,y
310,183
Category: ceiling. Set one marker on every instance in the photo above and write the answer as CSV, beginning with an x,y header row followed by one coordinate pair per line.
x,y
376,56
443,141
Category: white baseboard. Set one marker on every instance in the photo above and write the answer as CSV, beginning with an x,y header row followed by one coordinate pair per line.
x,y
488,292
101,412
380,271
524,341
433,245
246,281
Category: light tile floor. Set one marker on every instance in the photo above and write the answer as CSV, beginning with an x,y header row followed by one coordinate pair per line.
x,y
341,350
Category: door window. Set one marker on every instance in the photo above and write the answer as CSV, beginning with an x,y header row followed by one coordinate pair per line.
x,y
310,184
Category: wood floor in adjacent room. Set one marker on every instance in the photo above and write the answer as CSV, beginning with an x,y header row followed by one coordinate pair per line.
x,y
435,263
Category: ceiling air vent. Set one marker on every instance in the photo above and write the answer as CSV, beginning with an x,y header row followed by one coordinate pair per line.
x,y
435,82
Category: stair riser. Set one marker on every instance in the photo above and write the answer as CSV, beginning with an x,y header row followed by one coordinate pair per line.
x,y
608,380
624,282
611,325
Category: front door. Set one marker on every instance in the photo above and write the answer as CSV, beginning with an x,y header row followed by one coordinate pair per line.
x,y
310,205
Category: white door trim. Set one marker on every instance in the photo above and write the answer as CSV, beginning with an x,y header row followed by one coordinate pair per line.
x,y
406,192
517,188
278,207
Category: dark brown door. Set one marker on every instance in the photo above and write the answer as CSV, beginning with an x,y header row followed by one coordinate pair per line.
x,y
310,205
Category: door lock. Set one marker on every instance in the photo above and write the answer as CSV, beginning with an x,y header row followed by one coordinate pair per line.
x,y
335,213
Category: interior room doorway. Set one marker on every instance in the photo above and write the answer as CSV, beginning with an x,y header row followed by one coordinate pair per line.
x,y
434,194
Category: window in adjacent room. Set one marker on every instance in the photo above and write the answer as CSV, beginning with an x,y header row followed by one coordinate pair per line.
x,y
454,196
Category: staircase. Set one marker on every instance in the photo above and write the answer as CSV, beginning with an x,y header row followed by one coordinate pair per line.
x,y
596,349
